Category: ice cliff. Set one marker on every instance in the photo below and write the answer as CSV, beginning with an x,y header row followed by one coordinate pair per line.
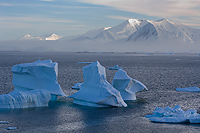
x,y
96,91
127,86
26,99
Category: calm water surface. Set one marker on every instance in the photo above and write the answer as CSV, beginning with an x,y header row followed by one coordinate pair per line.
x,y
162,74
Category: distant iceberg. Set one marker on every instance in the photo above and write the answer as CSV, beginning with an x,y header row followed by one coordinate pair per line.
x,y
96,91
84,62
174,115
127,86
116,67
26,99
188,89
37,75
77,86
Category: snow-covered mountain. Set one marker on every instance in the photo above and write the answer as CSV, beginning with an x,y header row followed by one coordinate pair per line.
x,y
44,37
166,30
138,30
117,32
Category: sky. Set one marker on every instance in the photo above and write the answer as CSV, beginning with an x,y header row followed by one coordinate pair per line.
x,y
74,17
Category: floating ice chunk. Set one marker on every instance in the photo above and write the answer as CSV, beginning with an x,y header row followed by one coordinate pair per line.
x,y
116,67
174,115
77,86
37,75
11,128
189,89
96,91
26,99
4,122
127,86
84,62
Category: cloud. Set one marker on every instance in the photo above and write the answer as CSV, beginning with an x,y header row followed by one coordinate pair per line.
x,y
118,17
35,19
5,4
153,7
157,8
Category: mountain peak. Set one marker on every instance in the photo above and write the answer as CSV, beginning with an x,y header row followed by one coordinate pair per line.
x,y
135,21
162,20
106,28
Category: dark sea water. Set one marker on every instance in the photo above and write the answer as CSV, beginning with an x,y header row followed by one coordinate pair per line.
x,y
162,74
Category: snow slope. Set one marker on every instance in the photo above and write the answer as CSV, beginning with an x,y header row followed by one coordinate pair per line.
x,y
165,30
117,32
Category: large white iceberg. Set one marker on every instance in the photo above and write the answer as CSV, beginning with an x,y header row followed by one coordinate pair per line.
x,y
96,91
26,99
127,86
37,75
188,89
174,115
116,67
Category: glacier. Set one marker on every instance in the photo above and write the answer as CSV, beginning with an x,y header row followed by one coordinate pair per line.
x,y
174,115
188,89
26,99
37,75
96,91
116,67
127,86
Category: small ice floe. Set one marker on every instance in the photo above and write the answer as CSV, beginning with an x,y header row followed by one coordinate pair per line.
x,y
127,86
188,89
96,91
11,128
116,67
84,62
77,86
4,122
174,115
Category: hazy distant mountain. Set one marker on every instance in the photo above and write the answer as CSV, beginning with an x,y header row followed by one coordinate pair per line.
x,y
137,30
132,35
44,37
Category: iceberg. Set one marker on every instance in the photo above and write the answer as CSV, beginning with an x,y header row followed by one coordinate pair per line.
x,y
35,85
188,89
127,86
26,99
37,75
84,62
11,128
77,86
174,115
4,122
96,91
116,67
